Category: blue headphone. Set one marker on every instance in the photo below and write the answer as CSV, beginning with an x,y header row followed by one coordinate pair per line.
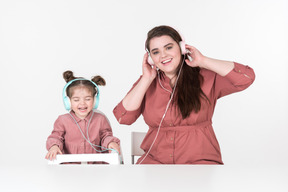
x,y
66,99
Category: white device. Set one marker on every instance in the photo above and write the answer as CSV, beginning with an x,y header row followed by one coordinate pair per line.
x,y
111,158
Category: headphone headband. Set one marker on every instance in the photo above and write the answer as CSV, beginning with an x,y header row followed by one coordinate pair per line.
x,y
66,99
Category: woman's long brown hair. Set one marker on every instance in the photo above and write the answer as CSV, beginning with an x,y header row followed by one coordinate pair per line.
x,y
188,92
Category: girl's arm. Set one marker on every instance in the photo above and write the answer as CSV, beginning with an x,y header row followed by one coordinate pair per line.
x,y
54,143
115,146
133,99
53,151
107,139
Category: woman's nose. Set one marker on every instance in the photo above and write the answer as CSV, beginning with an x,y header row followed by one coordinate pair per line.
x,y
163,54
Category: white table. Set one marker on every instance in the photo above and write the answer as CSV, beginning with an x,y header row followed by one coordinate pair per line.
x,y
176,178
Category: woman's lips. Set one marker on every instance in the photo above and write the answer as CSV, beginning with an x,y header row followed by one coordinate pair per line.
x,y
166,61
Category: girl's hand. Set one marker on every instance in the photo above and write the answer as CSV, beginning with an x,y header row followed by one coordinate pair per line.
x,y
53,151
149,71
197,57
115,146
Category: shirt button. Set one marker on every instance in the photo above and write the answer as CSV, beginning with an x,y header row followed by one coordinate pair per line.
x,y
239,71
171,155
171,124
171,138
123,113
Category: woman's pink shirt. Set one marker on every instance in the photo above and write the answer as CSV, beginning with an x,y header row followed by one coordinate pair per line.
x,y
184,141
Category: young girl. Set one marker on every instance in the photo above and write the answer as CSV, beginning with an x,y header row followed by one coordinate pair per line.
x,y
177,95
81,130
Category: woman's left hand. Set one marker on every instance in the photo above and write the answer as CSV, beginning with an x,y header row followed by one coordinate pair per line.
x,y
196,55
220,67
114,145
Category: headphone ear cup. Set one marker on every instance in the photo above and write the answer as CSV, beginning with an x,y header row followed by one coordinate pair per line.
x,y
150,61
67,103
96,101
182,47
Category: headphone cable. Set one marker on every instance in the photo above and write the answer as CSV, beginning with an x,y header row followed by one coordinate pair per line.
x,y
172,94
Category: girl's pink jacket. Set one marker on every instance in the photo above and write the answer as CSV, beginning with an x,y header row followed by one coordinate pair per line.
x,y
68,137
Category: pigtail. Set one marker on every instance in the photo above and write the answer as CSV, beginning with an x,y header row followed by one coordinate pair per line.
x,y
99,80
68,76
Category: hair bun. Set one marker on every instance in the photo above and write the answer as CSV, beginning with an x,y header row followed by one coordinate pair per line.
x,y
68,76
99,80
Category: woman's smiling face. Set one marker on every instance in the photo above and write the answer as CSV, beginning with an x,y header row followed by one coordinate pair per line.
x,y
166,54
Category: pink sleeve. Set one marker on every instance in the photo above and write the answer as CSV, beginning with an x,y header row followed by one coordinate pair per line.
x,y
106,133
127,117
57,135
240,78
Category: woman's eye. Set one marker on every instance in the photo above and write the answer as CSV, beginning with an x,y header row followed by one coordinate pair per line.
x,y
170,47
155,52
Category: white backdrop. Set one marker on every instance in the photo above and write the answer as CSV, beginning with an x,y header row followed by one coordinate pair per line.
x,y
39,40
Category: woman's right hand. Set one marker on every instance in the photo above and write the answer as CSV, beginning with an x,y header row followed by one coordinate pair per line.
x,y
149,71
53,151
133,100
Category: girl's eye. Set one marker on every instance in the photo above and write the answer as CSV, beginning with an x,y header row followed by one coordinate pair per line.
x,y
76,100
88,99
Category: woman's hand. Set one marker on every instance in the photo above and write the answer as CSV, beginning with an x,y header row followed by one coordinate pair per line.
x,y
133,100
149,71
196,55
53,151
114,145
198,60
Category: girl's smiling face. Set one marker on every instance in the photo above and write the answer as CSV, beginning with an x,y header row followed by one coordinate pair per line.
x,y
166,54
82,101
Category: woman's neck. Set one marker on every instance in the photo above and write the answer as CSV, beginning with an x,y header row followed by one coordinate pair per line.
x,y
172,80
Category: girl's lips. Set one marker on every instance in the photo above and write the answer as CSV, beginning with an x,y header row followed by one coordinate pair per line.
x,y
82,109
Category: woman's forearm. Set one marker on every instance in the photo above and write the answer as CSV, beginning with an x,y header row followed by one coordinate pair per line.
x,y
134,98
218,66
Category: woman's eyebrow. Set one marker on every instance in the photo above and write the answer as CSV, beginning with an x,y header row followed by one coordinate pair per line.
x,y
168,44
154,49
164,46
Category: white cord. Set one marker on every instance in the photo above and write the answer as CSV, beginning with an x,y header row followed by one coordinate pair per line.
x,y
161,83
88,140
164,112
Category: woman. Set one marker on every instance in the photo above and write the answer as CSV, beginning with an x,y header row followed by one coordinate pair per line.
x,y
176,96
